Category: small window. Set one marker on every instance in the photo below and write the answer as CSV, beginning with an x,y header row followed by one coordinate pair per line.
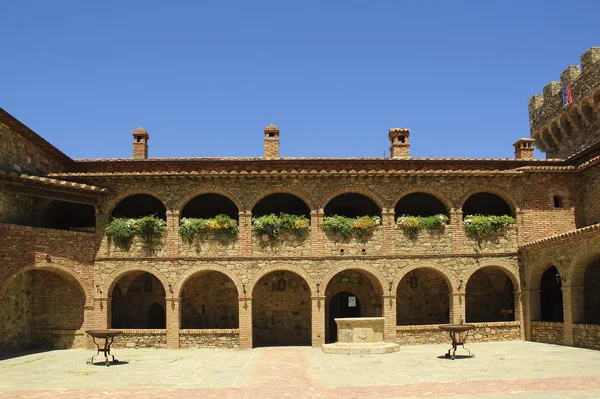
x,y
271,134
139,139
559,202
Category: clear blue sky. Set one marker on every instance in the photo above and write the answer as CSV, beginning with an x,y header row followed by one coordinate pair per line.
x,y
204,78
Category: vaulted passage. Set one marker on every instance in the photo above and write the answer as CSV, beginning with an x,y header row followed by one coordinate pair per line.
x,y
69,216
209,300
591,292
551,299
281,203
351,293
281,310
207,206
486,204
420,204
138,301
352,205
423,297
140,205
490,296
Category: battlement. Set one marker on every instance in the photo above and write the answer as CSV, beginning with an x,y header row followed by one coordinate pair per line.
x,y
559,130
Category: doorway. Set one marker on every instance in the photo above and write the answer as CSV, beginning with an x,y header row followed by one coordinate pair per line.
x,y
343,304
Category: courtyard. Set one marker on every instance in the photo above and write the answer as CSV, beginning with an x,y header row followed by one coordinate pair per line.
x,y
514,369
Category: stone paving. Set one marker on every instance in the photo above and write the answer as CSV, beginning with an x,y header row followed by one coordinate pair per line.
x,y
514,370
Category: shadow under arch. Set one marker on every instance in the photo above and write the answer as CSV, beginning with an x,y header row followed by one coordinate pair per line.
x,y
190,195
190,273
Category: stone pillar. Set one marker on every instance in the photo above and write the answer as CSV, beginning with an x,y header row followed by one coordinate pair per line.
x,y
389,312
458,231
531,309
173,238
318,321
572,310
316,232
457,308
173,322
245,322
389,232
519,313
245,233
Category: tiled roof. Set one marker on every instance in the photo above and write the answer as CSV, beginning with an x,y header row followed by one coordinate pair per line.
x,y
52,182
558,237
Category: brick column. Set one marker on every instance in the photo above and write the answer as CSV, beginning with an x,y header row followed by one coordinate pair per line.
x,y
389,232
316,232
245,233
172,241
519,313
389,312
458,231
89,323
245,322
173,323
521,236
572,310
457,308
531,309
318,321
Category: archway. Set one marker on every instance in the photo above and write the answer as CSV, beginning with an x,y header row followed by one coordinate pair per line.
x,y
341,305
490,296
486,204
137,300
281,203
69,216
209,300
551,299
281,310
140,205
420,204
423,297
351,205
209,205
357,283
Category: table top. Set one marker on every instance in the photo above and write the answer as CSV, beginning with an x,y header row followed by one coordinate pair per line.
x,y
457,327
104,333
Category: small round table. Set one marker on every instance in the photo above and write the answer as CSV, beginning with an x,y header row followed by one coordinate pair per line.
x,y
458,334
109,336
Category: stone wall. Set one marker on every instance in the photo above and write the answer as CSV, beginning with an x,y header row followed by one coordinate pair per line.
x,y
586,336
498,331
590,192
19,209
209,244
56,303
136,249
368,245
138,301
427,303
224,338
141,339
483,332
419,335
287,244
505,241
489,292
15,314
58,339
548,332
426,241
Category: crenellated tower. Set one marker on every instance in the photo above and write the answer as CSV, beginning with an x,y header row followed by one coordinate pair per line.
x,y
562,130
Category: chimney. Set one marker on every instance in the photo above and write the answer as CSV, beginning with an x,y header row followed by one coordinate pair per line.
x,y
524,148
400,146
271,141
140,143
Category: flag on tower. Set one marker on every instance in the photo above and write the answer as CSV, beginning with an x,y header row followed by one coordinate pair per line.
x,y
567,94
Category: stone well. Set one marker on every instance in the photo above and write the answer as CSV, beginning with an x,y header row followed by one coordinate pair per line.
x,y
360,336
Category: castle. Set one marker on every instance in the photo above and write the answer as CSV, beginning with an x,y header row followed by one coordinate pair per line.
x,y
245,252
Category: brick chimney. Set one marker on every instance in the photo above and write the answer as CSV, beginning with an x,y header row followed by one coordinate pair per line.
x,y
140,143
271,141
524,148
400,146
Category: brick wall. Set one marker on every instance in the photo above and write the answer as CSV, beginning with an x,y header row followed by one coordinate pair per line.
x,y
223,338
141,339
15,314
590,193
19,209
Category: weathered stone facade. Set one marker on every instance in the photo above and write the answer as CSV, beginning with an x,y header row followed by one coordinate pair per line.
x,y
249,289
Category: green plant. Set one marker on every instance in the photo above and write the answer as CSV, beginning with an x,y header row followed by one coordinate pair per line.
x,y
191,227
121,230
481,226
411,225
346,227
272,225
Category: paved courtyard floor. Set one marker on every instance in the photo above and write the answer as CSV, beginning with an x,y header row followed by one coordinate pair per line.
x,y
499,370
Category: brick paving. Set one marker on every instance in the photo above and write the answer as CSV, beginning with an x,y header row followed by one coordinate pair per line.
x,y
500,370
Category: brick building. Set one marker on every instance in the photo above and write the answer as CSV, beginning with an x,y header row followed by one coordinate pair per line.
x,y
537,278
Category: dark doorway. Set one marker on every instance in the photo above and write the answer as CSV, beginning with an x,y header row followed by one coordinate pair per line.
x,y
551,296
343,304
156,317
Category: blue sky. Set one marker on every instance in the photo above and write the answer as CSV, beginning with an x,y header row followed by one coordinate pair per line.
x,y
204,78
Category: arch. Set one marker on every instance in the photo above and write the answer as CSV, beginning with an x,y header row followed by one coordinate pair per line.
x,y
551,306
62,271
504,266
355,289
64,215
533,277
445,273
582,258
490,296
109,283
443,198
281,190
380,279
283,268
509,199
121,195
180,283
191,194
374,196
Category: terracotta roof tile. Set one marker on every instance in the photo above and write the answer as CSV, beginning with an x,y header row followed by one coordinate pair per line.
x,y
558,237
52,182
